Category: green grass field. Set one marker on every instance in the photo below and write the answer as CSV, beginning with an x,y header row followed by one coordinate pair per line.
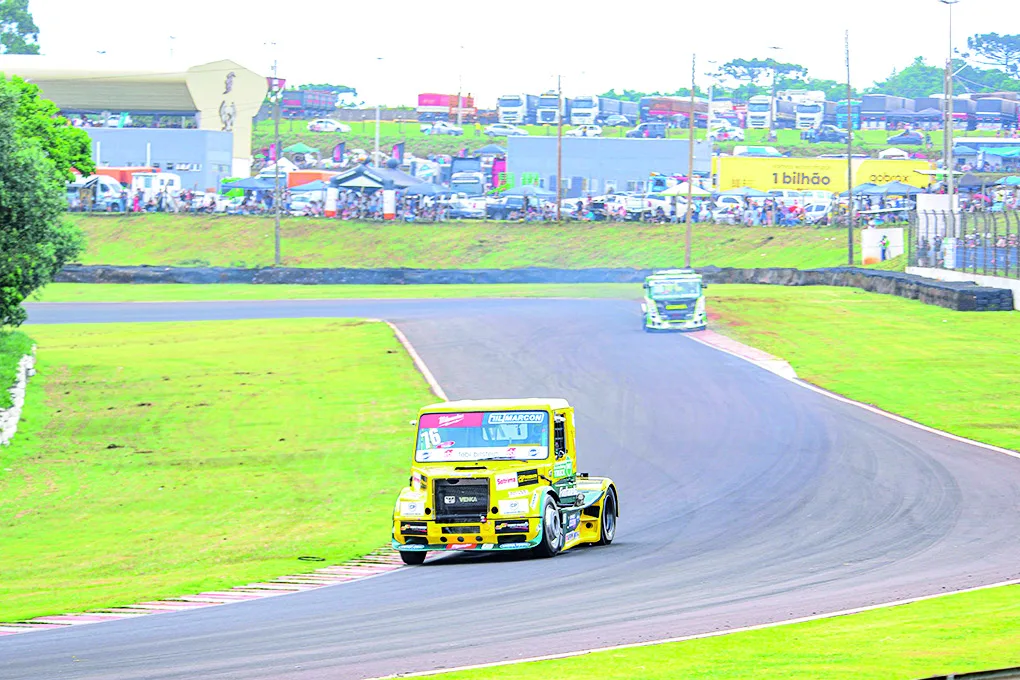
x,y
247,241
13,346
953,634
955,371
165,459
113,292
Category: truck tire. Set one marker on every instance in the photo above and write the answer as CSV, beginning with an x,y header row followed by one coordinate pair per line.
x,y
413,558
552,531
607,522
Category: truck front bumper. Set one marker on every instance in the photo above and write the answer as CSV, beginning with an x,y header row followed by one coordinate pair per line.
x,y
417,535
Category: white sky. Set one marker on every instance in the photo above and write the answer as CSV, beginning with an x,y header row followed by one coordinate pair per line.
x,y
500,47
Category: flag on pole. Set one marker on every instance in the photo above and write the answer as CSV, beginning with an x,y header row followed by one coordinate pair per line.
x,y
398,152
463,152
272,152
338,152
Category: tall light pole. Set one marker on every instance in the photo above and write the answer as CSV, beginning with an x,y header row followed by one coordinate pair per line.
x,y
772,99
460,85
849,160
378,73
277,92
690,168
559,146
948,134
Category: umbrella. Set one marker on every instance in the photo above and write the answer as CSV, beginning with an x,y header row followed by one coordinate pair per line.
x,y
900,189
744,192
491,149
1011,181
250,184
423,189
970,180
682,189
300,147
530,190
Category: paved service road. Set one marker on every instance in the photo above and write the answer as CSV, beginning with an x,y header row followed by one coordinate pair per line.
x,y
745,499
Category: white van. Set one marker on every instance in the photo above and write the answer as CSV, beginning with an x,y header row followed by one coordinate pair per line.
x,y
101,191
787,196
152,184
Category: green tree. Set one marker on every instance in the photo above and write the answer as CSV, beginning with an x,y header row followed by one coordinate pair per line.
x,y
18,32
1000,51
917,80
35,239
37,118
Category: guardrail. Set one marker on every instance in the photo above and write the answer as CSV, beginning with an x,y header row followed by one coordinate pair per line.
x,y
986,243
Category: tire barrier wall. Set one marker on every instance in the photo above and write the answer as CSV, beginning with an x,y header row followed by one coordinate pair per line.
x,y
957,295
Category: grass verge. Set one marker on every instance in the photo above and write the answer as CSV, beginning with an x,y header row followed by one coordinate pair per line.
x,y
955,371
957,633
164,459
13,346
118,292
247,241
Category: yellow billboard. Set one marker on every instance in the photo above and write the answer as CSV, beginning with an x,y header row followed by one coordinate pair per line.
x,y
818,174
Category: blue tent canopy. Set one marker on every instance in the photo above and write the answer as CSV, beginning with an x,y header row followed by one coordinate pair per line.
x,y
250,184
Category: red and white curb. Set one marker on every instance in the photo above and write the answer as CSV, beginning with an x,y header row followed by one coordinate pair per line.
x,y
745,352
382,561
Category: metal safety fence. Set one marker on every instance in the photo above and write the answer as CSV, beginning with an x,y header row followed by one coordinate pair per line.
x,y
985,243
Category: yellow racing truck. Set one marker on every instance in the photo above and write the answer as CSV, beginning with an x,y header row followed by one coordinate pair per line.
x,y
674,300
500,474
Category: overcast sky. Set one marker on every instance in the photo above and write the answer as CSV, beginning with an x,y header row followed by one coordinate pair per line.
x,y
500,48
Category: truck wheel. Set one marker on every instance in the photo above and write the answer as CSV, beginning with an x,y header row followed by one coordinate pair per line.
x,y
552,531
608,522
413,558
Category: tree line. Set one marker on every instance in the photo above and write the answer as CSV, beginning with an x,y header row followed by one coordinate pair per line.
x,y
991,64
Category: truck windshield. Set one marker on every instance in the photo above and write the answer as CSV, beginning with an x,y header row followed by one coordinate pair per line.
x,y
509,101
584,103
491,435
549,102
809,108
758,108
667,290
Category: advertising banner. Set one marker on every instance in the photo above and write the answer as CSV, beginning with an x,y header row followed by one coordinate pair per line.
x,y
815,174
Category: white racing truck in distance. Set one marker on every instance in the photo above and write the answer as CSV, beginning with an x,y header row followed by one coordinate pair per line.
x,y
674,300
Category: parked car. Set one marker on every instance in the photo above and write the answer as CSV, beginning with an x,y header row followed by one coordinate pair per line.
x,y
584,131
907,137
442,128
816,213
617,119
460,209
825,133
328,125
726,133
505,130
648,130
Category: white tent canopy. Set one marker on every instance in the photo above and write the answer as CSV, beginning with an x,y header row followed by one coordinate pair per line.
x,y
893,152
682,188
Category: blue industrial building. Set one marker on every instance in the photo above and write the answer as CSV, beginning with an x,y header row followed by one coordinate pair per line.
x,y
200,157
598,165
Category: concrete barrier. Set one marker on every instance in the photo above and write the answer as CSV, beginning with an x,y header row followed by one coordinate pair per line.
x,y
958,295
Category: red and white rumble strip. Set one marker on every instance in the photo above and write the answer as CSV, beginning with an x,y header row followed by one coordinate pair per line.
x,y
381,561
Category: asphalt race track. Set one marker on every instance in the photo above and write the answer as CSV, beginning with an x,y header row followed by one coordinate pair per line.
x,y
744,499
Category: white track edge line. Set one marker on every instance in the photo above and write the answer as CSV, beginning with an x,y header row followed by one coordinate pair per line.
x,y
699,636
419,363
867,407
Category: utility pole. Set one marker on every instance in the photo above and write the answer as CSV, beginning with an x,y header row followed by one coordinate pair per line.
x,y
375,157
849,160
276,165
460,85
559,147
948,134
690,168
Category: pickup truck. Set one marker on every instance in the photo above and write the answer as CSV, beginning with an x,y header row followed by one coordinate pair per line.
x,y
494,475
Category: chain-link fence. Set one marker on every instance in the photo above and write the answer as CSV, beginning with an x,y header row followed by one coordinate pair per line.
x,y
978,243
